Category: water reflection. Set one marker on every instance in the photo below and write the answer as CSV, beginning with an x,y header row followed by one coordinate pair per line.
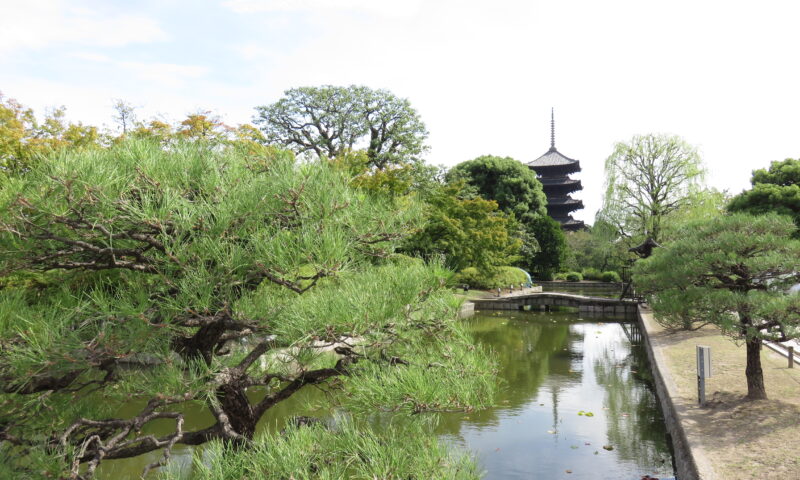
x,y
572,387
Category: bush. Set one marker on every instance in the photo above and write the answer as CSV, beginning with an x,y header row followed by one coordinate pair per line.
x,y
591,274
497,277
610,277
560,277
574,277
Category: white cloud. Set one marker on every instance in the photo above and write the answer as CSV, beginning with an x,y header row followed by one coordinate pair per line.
x,y
166,74
387,8
91,56
156,73
35,24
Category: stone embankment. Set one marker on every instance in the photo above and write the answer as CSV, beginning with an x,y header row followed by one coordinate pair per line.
x,y
729,438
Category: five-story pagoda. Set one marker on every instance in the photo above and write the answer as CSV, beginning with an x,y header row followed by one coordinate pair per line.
x,y
553,170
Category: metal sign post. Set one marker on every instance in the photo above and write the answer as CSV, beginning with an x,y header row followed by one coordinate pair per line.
x,y
703,372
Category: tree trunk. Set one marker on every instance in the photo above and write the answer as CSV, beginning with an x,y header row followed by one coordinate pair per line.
x,y
755,376
237,407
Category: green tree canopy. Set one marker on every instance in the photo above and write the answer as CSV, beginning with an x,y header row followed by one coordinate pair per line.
x,y
212,276
774,190
329,121
597,247
552,248
24,139
469,232
508,182
732,271
647,179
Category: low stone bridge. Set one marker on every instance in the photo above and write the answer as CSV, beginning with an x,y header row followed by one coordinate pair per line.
x,y
554,299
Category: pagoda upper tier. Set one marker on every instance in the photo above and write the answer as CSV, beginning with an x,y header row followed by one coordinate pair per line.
x,y
553,170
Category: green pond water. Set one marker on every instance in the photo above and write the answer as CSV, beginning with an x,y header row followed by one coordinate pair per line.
x,y
572,385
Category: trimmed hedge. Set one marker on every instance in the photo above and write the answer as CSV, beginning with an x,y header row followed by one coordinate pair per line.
x,y
610,277
499,277
591,274
574,277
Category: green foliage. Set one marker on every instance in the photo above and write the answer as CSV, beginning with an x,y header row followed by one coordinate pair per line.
x,y
500,277
552,252
466,231
612,277
774,190
591,274
597,275
783,173
573,277
330,121
24,140
394,180
647,179
598,247
732,271
506,181
344,450
700,205
185,275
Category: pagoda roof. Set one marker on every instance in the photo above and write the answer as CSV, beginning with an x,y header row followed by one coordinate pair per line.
x,y
552,158
572,224
563,201
569,223
548,181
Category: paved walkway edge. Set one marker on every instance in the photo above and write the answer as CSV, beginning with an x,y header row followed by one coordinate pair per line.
x,y
691,461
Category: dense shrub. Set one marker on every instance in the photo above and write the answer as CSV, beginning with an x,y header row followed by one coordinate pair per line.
x,y
591,274
574,277
610,277
497,277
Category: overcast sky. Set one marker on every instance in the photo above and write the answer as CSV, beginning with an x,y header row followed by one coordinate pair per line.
x,y
725,75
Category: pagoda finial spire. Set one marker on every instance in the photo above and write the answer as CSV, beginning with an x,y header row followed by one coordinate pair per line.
x,y
552,130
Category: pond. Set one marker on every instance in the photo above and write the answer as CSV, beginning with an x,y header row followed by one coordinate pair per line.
x,y
576,403
576,397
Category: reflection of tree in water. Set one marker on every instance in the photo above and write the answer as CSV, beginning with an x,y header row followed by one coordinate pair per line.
x,y
635,424
528,347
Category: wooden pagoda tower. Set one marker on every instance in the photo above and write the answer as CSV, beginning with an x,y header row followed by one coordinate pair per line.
x,y
553,170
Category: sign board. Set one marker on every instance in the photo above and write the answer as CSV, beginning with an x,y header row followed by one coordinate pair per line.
x,y
703,362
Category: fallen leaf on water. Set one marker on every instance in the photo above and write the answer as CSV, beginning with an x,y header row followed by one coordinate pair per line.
x,y
608,447
569,471
552,432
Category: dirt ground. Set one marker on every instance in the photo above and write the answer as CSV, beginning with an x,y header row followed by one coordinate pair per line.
x,y
741,439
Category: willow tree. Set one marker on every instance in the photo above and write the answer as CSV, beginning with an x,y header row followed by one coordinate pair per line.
x,y
647,179
201,275
733,271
